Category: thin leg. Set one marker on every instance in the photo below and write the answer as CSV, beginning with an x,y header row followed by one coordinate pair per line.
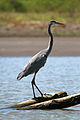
x,y
38,89
33,85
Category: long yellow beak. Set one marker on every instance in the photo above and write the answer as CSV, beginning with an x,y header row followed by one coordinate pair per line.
x,y
62,24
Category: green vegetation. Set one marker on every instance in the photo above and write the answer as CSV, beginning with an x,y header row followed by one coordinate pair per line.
x,y
43,10
69,6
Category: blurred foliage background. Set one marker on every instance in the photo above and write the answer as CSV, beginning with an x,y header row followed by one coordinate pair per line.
x,y
67,10
61,6
32,16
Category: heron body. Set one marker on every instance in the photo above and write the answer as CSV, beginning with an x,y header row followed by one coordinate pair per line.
x,y
38,61
33,65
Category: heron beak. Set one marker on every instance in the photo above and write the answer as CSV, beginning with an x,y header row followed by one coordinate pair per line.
x,y
62,24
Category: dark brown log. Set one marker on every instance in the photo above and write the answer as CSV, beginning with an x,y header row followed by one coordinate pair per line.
x,y
45,97
58,103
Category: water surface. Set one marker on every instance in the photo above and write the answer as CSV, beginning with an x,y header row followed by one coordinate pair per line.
x,y
58,74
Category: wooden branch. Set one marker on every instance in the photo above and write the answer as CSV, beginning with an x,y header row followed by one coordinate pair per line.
x,y
58,103
49,101
45,97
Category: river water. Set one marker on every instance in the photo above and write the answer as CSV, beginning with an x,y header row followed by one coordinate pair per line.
x,y
58,74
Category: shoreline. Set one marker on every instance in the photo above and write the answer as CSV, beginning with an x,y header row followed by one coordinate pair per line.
x,y
29,46
38,29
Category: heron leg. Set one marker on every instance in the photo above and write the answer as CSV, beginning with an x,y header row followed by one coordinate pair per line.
x,y
33,83
33,86
36,85
38,89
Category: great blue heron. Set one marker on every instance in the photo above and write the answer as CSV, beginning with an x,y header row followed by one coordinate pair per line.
x,y
38,60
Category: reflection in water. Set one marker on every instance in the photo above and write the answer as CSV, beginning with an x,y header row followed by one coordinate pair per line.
x,y
59,74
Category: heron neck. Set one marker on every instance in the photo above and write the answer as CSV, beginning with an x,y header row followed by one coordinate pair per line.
x,y
50,44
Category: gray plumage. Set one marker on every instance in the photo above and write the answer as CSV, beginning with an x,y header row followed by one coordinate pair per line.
x,y
33,65
38,60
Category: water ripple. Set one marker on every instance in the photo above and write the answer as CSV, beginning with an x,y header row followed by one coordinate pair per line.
x,y
59,74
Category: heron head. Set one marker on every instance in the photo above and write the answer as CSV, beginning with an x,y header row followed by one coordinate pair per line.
x,y
56,23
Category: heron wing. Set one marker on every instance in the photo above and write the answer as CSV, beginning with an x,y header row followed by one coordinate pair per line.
x,y
35,64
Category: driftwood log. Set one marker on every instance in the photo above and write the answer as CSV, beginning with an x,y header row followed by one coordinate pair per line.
x,y
49,101
45,97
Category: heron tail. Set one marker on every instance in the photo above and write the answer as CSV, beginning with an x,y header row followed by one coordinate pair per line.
x,y
20,76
